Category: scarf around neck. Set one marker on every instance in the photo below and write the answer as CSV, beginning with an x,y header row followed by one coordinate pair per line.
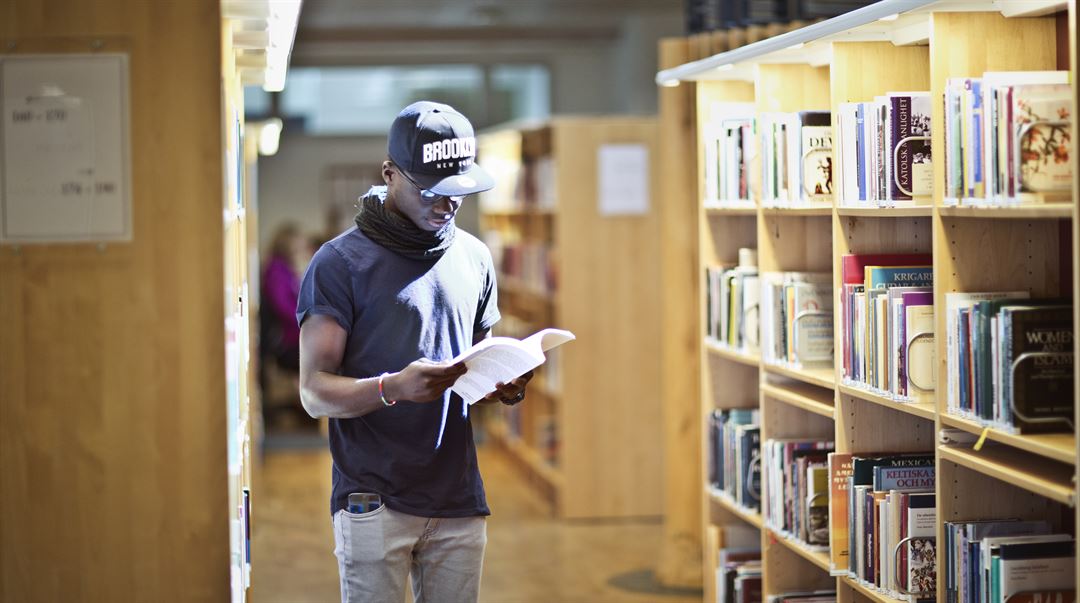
x,y
398,233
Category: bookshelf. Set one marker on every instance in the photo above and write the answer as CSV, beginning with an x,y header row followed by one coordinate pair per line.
x,y
974,248
563,263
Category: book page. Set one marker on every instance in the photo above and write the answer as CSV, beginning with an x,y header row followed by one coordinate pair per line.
x,y
496,364
503,359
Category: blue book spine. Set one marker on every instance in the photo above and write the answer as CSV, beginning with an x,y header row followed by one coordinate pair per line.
x,y
977,134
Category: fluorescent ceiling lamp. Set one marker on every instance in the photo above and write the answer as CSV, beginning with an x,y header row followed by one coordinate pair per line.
x,y
727,67
284,15
891,17
670,83
796,46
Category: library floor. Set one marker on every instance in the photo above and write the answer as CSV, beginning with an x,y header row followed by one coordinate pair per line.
x,y
531,557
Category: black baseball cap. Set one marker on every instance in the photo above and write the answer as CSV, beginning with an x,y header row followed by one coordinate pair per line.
x,y
436,145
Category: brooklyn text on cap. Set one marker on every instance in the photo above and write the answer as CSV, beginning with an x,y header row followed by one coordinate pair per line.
x,y
436,145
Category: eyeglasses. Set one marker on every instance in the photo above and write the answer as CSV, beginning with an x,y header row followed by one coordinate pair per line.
x,y
427,195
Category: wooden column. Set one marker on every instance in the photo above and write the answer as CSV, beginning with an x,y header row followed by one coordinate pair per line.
x,y
112,358
680,555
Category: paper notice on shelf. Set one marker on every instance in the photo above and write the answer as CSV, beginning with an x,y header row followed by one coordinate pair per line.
x,y
623,179
64,131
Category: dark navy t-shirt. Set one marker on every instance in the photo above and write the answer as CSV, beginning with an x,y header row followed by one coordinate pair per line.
x,y
420,457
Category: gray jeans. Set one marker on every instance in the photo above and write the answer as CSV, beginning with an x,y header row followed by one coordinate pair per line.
x,y
377,550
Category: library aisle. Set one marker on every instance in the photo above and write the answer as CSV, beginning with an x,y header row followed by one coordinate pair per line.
x,y
531,556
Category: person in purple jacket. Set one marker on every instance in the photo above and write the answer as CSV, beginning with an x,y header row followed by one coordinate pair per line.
x,y
383,309
280,335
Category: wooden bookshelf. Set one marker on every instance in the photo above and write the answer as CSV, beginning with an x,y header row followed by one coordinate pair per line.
x,y
924,211
923,410
1039,212
732,208
748,515
815,556
718,349
1060,447
809,398
822,377
1030,247
1027,471
866,592
599,397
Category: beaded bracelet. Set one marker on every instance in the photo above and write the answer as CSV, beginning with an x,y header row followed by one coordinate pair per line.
x,y
382,395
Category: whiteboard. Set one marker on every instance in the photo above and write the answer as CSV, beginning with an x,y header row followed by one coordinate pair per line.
x,y
65,168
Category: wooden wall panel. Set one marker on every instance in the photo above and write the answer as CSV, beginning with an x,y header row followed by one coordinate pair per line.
x,y
112,384
680,559
608,297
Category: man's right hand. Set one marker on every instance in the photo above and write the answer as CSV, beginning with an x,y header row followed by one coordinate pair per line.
x,y
422,381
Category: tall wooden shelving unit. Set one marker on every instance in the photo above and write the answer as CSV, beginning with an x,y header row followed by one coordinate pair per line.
x,y
604,408
1034,248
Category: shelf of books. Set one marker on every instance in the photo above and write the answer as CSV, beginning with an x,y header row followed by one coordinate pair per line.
x,y
888,351
569,260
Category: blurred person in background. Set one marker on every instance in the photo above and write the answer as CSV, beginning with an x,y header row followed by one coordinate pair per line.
x,y
279,335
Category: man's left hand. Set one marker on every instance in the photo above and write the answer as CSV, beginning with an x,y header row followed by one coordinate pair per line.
x,y
508,393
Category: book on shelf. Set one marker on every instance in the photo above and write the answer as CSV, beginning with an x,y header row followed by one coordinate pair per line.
x,y
730,154
961,553
734,459
796,318
884,148
738,575
796,158
1007,135
863,560
732,303
840,469
1020,564
918,567
503,359
887,315
1010,360
730,561
791,501
815,160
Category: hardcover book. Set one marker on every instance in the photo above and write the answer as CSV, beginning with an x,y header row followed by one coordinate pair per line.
x,y
909,155
839,472
920,565
919,364
1043,393
1043,149
816,156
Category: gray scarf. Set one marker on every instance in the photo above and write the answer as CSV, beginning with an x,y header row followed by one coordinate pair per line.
x,y
398,233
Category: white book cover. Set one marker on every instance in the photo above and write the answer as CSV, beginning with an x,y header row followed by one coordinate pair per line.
x,y
751,312
992,81
848,172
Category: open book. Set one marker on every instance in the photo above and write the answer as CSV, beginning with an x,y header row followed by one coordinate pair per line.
x,y
503,359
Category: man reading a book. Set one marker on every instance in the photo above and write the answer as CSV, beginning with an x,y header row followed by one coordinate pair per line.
x,y
382,309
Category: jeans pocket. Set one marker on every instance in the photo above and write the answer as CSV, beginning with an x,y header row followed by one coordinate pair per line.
x,y
361,537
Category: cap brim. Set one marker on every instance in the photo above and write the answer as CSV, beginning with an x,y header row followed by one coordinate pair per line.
x,y
475,180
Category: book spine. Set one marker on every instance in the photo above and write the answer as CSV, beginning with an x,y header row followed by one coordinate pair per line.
x,y
900,159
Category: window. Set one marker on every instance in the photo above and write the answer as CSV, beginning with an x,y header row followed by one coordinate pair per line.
x,y
364,100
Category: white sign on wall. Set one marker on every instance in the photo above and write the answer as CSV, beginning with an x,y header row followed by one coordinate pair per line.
x,y
65,168
623,179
